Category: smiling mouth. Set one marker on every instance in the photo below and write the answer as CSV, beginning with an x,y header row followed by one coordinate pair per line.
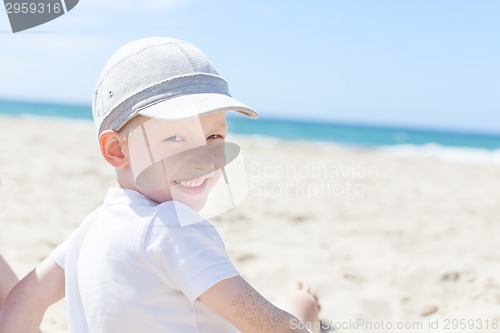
x,y
193,183
190,183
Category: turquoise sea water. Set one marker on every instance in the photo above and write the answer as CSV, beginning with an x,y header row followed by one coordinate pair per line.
x,y
347,134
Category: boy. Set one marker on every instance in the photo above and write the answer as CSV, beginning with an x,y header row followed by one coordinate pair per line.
x,y
147,260
7,280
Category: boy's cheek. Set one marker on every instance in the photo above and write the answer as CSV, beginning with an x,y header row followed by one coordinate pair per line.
x,y
216,178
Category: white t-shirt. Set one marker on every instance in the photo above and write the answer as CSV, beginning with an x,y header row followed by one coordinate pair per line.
x,y
131,267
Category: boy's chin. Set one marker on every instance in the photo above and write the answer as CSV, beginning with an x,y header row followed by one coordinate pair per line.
x,y
195,203
196,206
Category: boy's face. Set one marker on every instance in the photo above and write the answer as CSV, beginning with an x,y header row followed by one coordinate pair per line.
x,y
176,159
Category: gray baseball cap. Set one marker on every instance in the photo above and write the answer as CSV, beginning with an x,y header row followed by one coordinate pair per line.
x,y
159,78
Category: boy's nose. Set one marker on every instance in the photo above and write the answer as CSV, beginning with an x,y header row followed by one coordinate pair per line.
x,y
202,159
192,163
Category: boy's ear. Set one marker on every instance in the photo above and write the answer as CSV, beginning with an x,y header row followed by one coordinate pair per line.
x,y
113,148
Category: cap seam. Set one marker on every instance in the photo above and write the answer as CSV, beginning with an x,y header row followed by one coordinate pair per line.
x,y
134,55
189,59
178,77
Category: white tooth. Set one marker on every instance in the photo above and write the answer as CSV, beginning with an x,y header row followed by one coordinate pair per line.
x,y
190,183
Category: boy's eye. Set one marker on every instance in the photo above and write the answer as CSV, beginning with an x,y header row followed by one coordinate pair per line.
x,y
215,136
174,138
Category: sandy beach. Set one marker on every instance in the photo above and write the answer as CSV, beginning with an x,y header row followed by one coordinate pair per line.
x,y
385,240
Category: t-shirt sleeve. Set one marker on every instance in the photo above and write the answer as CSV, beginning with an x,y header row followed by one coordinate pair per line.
x,y
60,252
193,257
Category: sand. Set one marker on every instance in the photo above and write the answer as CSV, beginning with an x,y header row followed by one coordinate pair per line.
x,y
385,240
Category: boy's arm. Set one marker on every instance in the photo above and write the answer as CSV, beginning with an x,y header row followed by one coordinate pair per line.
x,y
247,309
7,280
24,307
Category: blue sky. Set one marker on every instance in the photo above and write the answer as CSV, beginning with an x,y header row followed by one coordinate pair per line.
x,y
419,63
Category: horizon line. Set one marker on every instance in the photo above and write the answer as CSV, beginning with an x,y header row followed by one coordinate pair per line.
x,y
311,120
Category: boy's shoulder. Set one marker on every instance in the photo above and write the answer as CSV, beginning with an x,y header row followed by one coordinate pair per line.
x,y
121,201
167,219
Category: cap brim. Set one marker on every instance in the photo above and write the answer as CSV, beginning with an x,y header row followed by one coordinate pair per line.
x,y
188,106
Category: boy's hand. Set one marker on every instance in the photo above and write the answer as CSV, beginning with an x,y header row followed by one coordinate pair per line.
x,y
247,309
24,307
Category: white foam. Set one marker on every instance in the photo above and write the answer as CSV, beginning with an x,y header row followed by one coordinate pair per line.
x,y
455,154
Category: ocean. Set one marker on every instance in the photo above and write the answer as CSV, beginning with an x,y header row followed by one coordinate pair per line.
x,y
453,145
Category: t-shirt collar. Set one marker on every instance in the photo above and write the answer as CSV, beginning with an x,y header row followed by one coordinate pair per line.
x,y
117,195
185,215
